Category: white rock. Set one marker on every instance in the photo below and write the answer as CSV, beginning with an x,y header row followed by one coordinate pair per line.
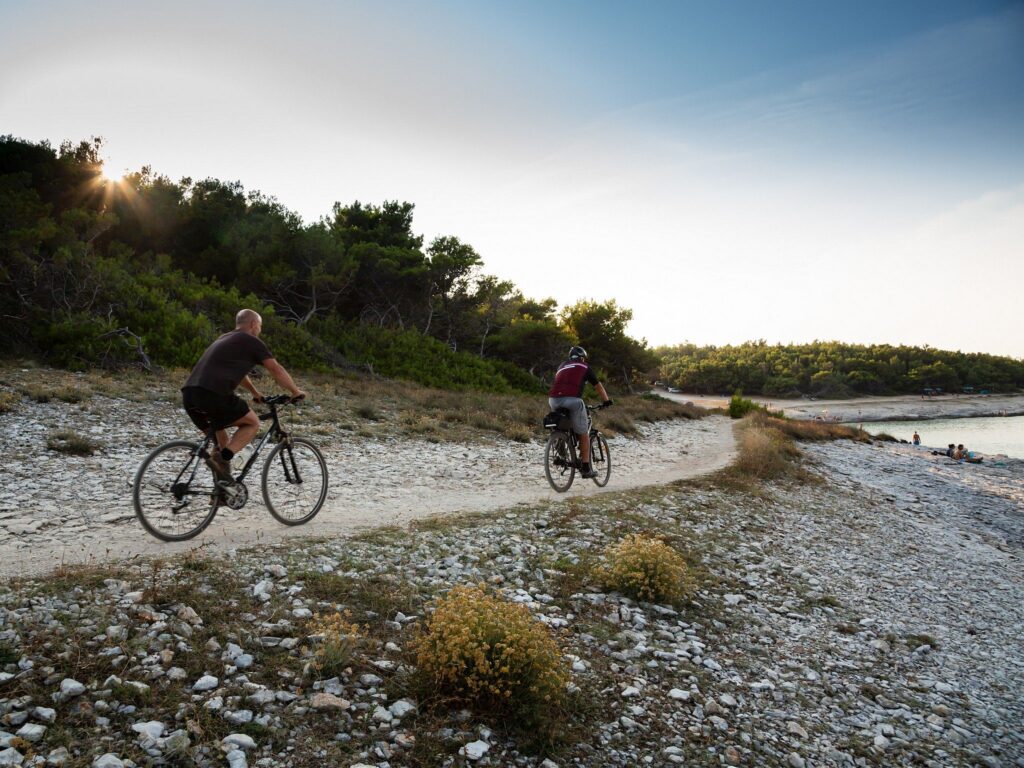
x,y
58,757
44,714
206,683
70,688
31,732
401,708
11,756
239,717
153,729
109,760
236,759
630,690
382,715
476,749
238,741
679,694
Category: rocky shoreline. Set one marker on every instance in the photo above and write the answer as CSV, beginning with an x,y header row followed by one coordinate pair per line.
x,y
868,617
870,408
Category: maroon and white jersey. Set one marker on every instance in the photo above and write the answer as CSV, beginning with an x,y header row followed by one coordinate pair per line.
x,y
570,379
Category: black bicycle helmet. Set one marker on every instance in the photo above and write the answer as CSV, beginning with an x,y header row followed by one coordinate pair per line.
x,y
577,353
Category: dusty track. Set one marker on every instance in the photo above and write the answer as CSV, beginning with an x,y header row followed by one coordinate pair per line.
x,y
58,509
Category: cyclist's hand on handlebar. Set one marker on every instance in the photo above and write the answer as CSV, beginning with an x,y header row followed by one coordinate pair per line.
x,y
607,403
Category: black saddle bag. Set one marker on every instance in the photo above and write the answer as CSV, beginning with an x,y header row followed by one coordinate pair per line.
x,y
558,419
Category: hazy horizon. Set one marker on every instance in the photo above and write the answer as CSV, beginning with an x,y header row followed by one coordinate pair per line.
x,y
730,173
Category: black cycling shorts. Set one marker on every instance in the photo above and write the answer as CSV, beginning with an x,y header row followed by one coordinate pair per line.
x,y
209,409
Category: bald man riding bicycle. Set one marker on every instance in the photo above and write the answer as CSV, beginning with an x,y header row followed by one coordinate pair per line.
x,y
567,392
209,394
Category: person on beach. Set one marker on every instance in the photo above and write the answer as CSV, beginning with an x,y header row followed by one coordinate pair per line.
x,y
209,394
567,392
960,453
950,450
917,438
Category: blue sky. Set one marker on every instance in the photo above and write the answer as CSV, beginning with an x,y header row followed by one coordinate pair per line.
x,y
730,170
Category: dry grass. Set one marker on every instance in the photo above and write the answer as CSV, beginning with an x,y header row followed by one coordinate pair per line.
x,y
370,406
811,430
71,443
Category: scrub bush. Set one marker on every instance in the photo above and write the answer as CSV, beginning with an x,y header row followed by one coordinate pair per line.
x,y
339,637
493,657
647,569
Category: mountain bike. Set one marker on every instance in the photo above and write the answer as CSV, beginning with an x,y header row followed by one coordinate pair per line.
x,y
176,493
560,463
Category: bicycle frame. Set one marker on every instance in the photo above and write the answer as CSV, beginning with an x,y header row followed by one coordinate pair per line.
x,y
274,432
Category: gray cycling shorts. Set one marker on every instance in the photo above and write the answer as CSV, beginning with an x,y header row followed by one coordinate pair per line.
x,y
577,412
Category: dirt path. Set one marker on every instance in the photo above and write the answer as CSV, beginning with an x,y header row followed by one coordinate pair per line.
x,y
58,509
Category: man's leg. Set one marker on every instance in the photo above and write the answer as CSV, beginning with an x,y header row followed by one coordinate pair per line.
x,y
248,426
584,448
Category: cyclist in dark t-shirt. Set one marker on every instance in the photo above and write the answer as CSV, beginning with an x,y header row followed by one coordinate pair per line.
x,y
209,394
566,392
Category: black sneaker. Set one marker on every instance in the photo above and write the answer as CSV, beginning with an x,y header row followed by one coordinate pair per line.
x,y
588,472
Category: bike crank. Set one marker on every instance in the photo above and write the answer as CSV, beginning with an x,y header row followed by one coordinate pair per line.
x,y
233,496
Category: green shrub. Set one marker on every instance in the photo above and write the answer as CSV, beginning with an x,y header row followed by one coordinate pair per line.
x,y
492,656
646,568
740,406
412,356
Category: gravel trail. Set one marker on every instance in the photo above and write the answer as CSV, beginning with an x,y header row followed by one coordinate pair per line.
x,y
58,509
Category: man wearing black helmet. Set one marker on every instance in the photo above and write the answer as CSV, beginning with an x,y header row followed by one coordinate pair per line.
x,y
567,392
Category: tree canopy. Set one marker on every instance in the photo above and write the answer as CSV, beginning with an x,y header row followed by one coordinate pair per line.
x,y
101,272
831,368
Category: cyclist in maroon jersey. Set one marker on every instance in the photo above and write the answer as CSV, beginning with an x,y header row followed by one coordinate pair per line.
x,y
567,392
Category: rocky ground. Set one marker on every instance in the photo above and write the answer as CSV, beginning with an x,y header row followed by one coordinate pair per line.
x,y
869,615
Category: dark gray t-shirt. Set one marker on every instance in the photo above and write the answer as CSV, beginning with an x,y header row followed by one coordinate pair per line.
x,y
227,361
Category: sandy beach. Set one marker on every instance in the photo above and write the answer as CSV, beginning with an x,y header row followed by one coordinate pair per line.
x,y
896,408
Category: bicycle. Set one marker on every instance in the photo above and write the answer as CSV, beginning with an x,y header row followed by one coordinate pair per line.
x,y
560,462
176,494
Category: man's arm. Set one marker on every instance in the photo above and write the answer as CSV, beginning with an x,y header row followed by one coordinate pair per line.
x,y
603,393
282,377
247,383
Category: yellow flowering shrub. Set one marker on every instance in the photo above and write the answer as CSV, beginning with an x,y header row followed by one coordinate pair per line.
x,y
646,568
339,639
492,656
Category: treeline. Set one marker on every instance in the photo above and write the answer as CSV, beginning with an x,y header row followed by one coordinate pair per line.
x,y
832,369
148,271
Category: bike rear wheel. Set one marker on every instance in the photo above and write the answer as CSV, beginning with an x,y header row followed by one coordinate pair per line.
x,y
294,481
600,459
559,461
174,499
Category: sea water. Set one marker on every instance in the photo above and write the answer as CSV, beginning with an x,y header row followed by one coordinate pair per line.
x,y
987,435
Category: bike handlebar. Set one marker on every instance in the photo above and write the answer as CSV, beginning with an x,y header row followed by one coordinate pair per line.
x,y
281,400
598,407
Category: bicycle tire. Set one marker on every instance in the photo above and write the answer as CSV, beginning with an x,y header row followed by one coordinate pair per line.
x,y
559,460
147,512
281,453
600,459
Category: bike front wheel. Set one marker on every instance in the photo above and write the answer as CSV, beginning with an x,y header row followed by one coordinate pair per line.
x,y
294,481
174,493
600,459
560,461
